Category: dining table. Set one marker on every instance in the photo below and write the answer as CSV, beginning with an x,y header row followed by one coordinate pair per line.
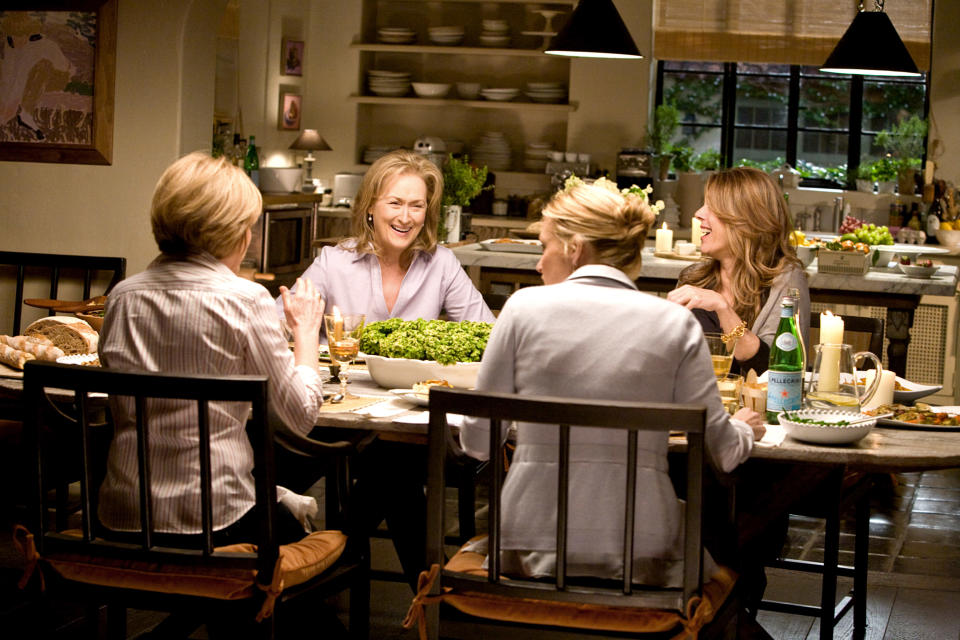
x,y
885,287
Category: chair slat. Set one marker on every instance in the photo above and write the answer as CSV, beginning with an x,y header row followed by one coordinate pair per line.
x,y
494,517
143,465
85,464
563,503
629,512
206,482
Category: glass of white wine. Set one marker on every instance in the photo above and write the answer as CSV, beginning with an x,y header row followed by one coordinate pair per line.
x,y
721,353
343,340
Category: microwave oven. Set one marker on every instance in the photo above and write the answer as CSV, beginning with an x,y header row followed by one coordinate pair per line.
x,y
282,241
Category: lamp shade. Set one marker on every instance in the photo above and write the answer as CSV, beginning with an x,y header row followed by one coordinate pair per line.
x,y
871,46
310,140
594,30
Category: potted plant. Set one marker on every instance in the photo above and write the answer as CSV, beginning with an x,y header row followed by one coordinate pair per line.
x,y
666,121
865,177
885,173
709,160
905,142
462,182
689,190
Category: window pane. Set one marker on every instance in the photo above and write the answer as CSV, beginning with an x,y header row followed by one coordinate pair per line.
x,y
760,145
746,68
884,103
762,100
822,149
824,103
679,65
696,95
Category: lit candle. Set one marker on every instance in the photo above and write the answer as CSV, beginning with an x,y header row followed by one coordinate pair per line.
x,y
884,392
695,232
831,337
337,324
664,240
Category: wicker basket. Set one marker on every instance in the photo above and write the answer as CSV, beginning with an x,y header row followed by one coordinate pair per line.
x,y
848,263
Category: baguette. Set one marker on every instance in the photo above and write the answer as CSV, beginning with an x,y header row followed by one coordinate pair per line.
x,y
69,334
14,357
40,347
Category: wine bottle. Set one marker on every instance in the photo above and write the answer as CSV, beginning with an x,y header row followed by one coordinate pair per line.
x,y
933,220
251,162
785,373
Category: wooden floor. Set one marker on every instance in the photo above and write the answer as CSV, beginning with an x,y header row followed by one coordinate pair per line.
x,y
913,593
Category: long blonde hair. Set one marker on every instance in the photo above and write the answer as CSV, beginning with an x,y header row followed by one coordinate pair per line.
x,y
614,224
385,169
752,208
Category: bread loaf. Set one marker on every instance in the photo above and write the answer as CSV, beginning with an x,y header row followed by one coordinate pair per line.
x,y
69,334
39,346
14,357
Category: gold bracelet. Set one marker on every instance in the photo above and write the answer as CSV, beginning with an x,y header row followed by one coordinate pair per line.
x,y
736,332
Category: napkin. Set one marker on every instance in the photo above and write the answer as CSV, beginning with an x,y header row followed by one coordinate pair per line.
x,y
386,408
773,437
302,507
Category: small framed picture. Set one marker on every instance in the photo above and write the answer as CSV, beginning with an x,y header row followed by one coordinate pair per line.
x,y
291,63
290,108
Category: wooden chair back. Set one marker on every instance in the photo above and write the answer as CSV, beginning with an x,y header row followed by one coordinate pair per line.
x,y
862,333
629,417
55,268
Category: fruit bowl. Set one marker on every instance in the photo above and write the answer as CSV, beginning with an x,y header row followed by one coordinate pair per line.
x,y
917,271
949,238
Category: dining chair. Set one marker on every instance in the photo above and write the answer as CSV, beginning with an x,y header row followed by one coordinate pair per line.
x,y
54,268
243,586
480,603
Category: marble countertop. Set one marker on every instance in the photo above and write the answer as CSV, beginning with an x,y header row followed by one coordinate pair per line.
x,y
943,283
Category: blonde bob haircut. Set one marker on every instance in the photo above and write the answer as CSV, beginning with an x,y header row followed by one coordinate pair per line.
x,y
203,204
375,181
752,208
614,224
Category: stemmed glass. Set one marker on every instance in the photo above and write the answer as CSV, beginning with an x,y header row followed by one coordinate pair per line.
x,y
343,339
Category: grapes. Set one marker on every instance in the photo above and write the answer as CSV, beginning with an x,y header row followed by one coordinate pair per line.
x,y
866,233
850,224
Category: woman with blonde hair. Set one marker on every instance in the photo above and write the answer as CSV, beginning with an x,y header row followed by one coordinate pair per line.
x,y
391,266
591,334
750,265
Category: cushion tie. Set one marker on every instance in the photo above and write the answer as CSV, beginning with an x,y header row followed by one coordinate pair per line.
x,y
274,589
416,614
27,546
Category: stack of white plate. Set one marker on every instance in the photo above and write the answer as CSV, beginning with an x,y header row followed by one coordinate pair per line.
x,y
546,91
447,36
492,150
535,156
499,94
396,35
388,83
496,33
375,151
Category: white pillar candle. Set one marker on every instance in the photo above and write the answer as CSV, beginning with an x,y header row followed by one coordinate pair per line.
x,y
884,392
664,240
695,232
831,337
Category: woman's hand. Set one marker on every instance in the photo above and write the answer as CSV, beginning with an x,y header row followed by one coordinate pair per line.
x,y
303,311
754,419
693,297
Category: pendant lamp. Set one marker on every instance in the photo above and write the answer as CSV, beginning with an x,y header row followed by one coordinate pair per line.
x,y
871,47
594,30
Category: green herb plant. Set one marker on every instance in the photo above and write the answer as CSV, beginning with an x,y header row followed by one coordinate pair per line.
x,y
709,160
682,158
905,141
462,182
660,132
439,340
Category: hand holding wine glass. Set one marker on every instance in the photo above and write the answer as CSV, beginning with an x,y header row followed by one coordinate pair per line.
x,y
343,339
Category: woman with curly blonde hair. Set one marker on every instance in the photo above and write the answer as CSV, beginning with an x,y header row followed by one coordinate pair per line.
x,y
750,264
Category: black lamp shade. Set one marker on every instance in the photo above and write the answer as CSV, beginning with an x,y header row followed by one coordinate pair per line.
x,y
594,30
310,140
871,46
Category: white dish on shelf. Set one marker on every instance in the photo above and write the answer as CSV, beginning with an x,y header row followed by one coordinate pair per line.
x,y
391,93
468,90
499,95
431,89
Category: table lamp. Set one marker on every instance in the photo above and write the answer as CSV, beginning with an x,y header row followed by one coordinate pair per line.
x,y
309,140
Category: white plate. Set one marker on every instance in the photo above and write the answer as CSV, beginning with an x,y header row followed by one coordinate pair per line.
x,y
513,246
897,424
826,434
913,391
411,396
85,358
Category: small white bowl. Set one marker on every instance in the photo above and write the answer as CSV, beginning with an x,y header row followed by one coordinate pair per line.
x,y
916,271
431,89
468,90
806,254
949,238
827,433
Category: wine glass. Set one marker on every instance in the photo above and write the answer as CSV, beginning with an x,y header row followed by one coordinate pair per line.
x,y
343,340
721,352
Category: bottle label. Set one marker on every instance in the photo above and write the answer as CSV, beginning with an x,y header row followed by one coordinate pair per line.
x,y
786,341
783,390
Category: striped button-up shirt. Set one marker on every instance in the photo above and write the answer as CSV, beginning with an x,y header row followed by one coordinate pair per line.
x,y
195,316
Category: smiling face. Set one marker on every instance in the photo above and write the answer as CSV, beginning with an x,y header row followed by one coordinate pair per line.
x,y
713,235
399,212
556,264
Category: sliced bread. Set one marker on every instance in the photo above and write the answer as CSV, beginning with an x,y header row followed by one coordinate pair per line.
x,y
71,335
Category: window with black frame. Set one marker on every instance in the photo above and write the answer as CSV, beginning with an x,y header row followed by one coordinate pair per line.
x,y
767,114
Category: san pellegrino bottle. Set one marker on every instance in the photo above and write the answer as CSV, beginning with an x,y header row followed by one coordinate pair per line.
x,y
785,373
251,162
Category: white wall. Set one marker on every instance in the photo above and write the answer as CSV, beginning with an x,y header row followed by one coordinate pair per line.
x,y
945,90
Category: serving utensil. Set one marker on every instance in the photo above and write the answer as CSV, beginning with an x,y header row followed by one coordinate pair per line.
x,y
68,306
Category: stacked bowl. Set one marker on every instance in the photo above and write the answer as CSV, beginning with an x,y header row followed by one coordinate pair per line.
x,y
496,33
546,91
492,150
499,94
375,151
446,36
388,83
396,35
535,156
431,89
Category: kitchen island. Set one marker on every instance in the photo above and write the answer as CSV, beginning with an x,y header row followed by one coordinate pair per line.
x,y
898,294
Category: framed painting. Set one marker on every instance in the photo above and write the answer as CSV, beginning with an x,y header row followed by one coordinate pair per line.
x,y
290,109
58,69
292,61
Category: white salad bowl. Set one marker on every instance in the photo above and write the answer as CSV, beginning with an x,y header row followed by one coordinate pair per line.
x,y
402,373
833,432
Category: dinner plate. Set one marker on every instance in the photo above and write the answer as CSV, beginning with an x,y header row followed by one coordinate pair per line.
x,y
913,391
897,424
409,394
513,245
89,359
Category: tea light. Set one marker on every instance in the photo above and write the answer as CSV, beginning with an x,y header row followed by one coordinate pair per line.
x,y
831,337
695,232
664,242
884,392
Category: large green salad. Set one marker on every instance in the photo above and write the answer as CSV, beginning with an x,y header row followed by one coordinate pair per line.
x,y
440,340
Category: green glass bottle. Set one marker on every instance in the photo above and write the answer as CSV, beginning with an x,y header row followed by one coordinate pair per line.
x,y
785,373
251,162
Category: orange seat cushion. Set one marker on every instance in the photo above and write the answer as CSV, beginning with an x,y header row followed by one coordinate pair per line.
x,y
299,562
583,616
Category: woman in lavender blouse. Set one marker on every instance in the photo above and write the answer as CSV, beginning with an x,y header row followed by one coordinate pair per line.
x,y
391,266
